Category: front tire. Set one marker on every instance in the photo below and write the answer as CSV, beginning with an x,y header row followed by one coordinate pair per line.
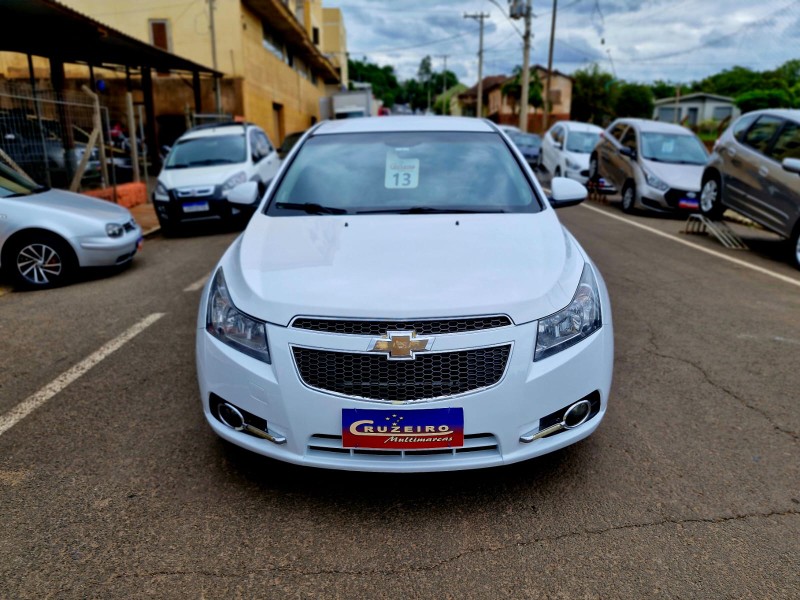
x,y
594,172
710,197
629,198
794,247
41,261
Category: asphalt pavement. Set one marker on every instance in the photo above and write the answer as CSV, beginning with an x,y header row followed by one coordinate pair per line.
x,y
113,486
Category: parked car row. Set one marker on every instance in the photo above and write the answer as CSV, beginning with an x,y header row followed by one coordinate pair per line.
x,y
754,168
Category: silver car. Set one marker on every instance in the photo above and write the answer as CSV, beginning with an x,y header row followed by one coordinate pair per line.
x,y
755,170
657,166
46,235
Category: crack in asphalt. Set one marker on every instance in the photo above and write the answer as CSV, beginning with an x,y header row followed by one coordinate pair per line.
x,y
658,352
291,570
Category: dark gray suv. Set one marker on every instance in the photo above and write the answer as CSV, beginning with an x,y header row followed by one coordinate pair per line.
x,y
755,170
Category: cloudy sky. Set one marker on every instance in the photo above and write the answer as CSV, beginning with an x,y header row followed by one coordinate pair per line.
x,y
640,40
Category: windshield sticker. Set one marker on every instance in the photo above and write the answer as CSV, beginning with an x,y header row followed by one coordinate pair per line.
x,y
402,173
668,146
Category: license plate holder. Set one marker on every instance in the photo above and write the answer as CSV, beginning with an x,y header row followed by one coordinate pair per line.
x,y
191,207
402,429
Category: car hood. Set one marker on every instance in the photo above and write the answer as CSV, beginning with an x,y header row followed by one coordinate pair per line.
x,y
78,204
403,266
683,177
200,176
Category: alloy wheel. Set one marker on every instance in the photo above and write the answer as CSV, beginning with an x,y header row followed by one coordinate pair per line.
x,y
39,264
708,197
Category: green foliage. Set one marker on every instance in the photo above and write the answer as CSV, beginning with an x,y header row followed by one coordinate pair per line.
x,y
593,95
413,92
758,99
666,89
441,105
383,79
634,100
513,88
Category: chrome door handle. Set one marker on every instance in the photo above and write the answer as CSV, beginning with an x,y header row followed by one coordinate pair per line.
x,y
763,171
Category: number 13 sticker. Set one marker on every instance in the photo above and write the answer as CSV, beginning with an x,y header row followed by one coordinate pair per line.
x,y
401,173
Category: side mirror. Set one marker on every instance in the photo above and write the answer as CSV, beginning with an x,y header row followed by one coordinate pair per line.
x,y
244,193
792,165
629,152
566,192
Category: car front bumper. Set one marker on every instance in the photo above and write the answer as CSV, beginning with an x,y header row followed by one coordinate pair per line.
x,y
673,199
104,251
495,418
212,206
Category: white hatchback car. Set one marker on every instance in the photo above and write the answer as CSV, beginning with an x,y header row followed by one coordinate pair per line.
x,y
47,235
204,165
566,148
405,299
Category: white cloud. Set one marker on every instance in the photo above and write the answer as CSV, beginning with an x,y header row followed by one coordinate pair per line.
x,y
679,40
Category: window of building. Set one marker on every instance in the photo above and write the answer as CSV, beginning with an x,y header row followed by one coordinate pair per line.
x,y
722,112
666,114
555,97
315,35
159,34
273,43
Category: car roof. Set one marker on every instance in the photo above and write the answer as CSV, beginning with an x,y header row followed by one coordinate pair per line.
x,y
656,126
405,123
785,113
579,126
212,130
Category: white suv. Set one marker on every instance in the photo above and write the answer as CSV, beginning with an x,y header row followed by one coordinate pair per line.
x,y
204,165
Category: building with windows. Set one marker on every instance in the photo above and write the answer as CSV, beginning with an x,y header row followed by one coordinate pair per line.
x,y
693,109
273,53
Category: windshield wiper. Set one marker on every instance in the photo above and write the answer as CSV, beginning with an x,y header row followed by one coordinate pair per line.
x,y
421,210
311,208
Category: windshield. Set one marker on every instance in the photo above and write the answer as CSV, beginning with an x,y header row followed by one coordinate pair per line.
x,y
673,148
582,142
13,184
208,151
526,140
404,172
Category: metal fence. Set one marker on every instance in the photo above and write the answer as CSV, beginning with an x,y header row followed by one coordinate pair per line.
x,y
48,137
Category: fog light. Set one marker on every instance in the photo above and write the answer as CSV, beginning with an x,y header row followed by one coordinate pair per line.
x,y
577,414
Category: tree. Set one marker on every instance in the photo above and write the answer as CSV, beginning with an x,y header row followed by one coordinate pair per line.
x,y
666,89
513,89
593,95
634,100
758,99
383,79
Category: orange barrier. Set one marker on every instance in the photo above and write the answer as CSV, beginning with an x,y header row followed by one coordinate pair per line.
x,y
128,194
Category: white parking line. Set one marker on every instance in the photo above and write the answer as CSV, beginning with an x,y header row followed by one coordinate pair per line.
x,y
197,284
679,240
31,403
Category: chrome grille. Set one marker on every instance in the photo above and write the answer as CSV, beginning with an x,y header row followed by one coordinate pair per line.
x,y
422,327
374,377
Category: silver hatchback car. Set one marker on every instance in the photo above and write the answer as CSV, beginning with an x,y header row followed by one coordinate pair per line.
x,y
755,170
658,166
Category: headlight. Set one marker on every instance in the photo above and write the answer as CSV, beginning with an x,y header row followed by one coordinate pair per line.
x,y
161,192
115,230
654,181
576,322
232,182
231,326
571,164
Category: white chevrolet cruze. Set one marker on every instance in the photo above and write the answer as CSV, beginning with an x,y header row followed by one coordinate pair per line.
x,y
405,299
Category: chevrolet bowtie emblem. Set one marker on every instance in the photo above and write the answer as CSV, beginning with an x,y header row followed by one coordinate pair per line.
x,y
400,345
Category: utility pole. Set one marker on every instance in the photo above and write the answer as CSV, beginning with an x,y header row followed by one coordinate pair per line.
x,y
217,91
546,116
526,65
480,18
444,81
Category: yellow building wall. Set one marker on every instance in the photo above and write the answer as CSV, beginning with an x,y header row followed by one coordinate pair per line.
x,y
334,40
189,26
270,81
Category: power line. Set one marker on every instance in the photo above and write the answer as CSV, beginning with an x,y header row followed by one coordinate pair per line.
x,y
422,45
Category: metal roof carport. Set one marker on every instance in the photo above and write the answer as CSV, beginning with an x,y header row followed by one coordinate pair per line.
x,y
49,29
